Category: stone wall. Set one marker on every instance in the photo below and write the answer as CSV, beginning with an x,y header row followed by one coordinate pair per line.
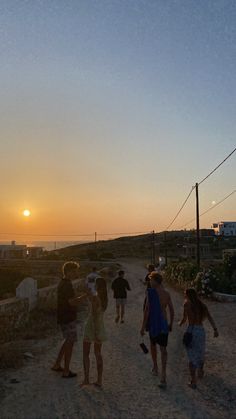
x,y
228,298
14,314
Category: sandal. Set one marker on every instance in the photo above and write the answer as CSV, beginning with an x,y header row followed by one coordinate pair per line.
x,y
192,385
97,385
162,385
57,369
154,372
70,375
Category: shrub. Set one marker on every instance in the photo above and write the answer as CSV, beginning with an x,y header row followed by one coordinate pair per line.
x,y
10,279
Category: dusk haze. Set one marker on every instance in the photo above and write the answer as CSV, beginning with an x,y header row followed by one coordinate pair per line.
x,y
118,209
111,111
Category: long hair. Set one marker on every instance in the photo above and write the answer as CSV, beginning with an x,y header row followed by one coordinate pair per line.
x,y
101,287
198,307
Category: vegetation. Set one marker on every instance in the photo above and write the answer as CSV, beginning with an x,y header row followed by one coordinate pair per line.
x,y
220,277
10,279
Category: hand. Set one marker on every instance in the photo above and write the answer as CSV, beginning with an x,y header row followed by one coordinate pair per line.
x,y
216,333
142,331
180,323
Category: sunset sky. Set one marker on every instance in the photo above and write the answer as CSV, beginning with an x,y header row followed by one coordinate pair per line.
x,y
110,111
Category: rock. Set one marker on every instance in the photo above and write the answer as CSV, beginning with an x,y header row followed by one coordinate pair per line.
x,y
28,355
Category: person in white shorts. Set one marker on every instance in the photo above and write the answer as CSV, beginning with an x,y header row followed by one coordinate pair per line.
x,y
91,280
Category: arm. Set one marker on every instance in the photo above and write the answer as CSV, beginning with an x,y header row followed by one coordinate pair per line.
x,y
172,313
127,286
212,323
184,317
75,301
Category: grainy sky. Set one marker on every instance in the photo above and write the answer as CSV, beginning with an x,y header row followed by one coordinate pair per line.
x,y
111,110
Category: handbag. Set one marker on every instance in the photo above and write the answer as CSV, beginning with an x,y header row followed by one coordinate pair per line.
x,y
187,338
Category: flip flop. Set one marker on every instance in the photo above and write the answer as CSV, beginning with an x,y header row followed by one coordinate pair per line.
x,y
70,375
57,369
154,372
97,385
162,385
192,385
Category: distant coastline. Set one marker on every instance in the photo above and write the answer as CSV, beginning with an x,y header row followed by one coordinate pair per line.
x,y
47,245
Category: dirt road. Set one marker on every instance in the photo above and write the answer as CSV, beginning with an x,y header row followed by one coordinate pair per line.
x,y
130,391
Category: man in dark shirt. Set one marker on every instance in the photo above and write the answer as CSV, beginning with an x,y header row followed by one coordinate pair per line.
x,y
120,286
66,317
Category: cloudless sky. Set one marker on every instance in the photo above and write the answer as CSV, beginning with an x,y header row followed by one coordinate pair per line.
x,y
111,110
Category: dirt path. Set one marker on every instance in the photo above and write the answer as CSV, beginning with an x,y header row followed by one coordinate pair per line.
x,y
130,391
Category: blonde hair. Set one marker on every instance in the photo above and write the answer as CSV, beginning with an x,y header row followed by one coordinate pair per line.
x,y
68,267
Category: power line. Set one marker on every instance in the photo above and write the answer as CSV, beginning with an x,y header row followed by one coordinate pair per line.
x,y
47,235
199,183
220,202
209,209
182,206
217,167
73,235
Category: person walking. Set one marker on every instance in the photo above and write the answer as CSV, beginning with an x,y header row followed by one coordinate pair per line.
x,y
120,286
194,313
155,322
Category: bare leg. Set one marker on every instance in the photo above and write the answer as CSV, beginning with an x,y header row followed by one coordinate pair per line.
x,y
154,357
117,313
57,365
122,313
68,352
201,371
163,363
192,371
86,362
99,360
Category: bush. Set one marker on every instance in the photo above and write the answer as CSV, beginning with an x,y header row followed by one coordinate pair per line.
x,y
181,274
10,279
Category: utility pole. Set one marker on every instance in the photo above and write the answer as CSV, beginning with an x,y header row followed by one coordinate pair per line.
x,y
95,237
197,228
153,248
165,242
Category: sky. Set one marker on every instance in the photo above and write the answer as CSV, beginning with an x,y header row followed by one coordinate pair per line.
x,y
111,110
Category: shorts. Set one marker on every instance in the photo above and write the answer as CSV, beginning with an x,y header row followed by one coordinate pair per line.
x,y
121,302
161,339
69,331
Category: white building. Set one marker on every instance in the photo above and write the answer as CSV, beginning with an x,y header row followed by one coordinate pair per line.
x,y
19,251
225,228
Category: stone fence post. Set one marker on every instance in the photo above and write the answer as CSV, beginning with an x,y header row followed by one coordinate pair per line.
x,y
28,288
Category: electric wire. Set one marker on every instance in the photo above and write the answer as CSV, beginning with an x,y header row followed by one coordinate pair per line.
x,y
182,206
217,167
209,209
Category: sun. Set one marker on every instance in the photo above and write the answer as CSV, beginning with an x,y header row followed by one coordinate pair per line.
x,y
26,213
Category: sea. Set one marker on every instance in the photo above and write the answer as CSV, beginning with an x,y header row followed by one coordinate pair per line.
x,y
47,245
